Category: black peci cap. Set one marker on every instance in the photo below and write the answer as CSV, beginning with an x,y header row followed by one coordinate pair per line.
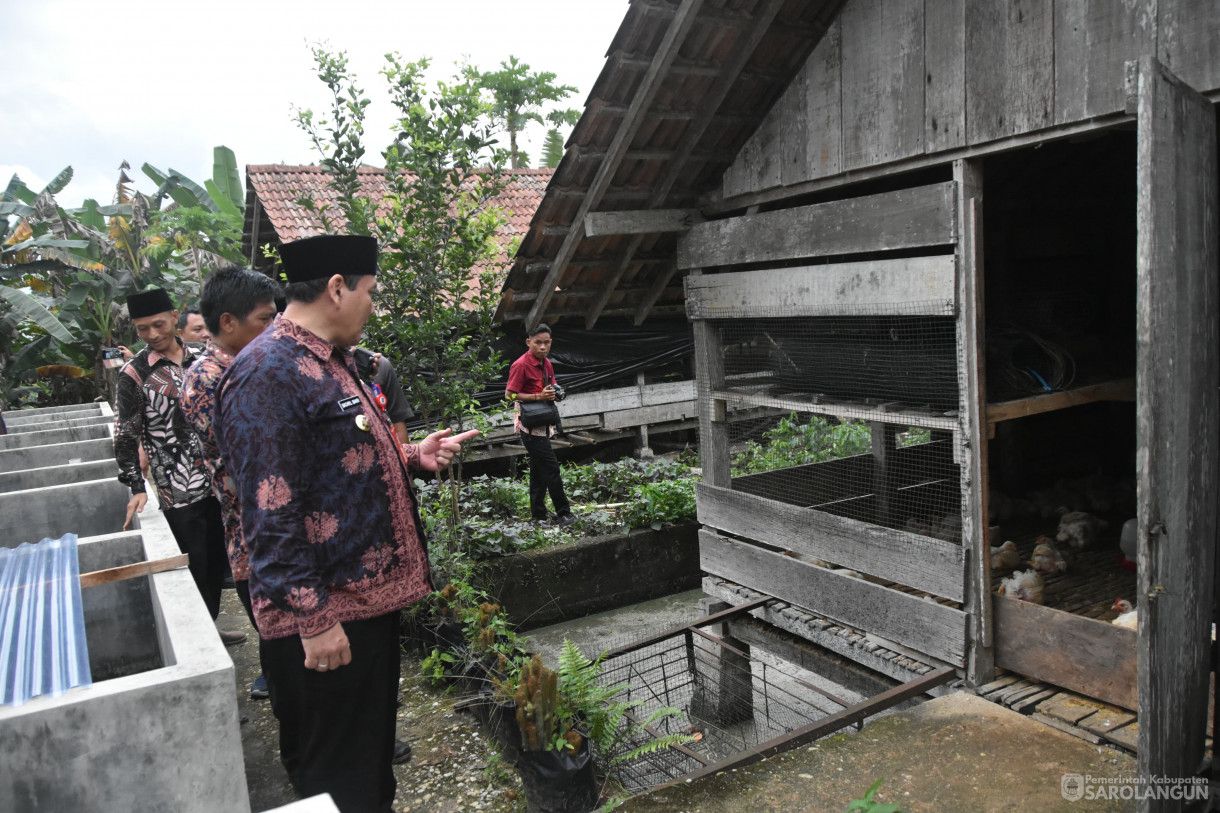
x,y
327,255
149,303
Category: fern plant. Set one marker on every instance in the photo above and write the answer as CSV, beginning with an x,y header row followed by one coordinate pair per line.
x,y
585,702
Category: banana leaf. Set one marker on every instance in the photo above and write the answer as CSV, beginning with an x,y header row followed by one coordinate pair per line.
x,y
90,216
45,241
158,177
227,178
226,205
13,207
58,183
202,198
32,309
27,357
17,190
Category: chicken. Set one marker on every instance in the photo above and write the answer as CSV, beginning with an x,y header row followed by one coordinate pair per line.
x,y
1126,614
1046,558
1079,529
1025,585
1005,557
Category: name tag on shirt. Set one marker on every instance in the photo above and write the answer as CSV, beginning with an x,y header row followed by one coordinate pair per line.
x,y
347,403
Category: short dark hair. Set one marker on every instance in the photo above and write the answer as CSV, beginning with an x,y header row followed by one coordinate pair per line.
x,y
185,314
541,327
309,290
233,290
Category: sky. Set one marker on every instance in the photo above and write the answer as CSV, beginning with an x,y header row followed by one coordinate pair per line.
x,y
92,84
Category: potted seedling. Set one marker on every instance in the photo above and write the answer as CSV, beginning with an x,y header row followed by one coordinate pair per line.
x,y
555,760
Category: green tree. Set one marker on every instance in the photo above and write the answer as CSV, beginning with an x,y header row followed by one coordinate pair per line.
x,y
77,266
552,148
441,261
519,97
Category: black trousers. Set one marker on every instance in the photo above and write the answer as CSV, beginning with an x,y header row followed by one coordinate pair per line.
x,y
345,717
200,534
544,477
289,736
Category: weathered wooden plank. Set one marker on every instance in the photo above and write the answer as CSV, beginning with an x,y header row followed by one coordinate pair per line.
x,y
908,218
925,626
793,114
824,106
661,413
1009,67
1093,41
883,86
758,164
922,562
1106,720
1120,390
643,221
1067,707
944,30
1080,654
906,417
1177,416
1188,41
910,286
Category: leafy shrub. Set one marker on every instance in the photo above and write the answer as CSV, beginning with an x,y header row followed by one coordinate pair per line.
x,y
792,442
495,516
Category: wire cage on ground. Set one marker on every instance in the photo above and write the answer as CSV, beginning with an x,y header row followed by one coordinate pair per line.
x,y
734,705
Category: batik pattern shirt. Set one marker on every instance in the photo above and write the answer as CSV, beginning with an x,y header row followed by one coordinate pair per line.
x,y
198,402
324,485
147,400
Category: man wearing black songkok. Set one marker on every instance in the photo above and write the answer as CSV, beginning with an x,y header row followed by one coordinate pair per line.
x,y
147,401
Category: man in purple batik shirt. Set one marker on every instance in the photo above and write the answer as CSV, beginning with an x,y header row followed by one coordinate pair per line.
x,y
336,545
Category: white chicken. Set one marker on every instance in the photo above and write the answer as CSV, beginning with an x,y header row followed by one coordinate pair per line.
x,y
1025,585
1127,615
1005,557
1047,558
1079,529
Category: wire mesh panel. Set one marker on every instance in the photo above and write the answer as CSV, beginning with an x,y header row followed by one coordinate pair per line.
x,y
848,414
726,702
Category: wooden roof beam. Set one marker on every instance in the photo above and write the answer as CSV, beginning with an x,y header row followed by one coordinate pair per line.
x,y
743,49
640,221
667,52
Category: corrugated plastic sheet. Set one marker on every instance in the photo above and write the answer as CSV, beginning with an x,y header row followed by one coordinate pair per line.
x,y
42,622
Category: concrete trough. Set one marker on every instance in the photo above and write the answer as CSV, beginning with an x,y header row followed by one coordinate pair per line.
x,y
56,454
90,508
58,475
26,414
24,440
66,423
158,729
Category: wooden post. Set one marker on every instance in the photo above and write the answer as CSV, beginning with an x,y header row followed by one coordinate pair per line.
x,y
885,487
709,378
972,435
645,451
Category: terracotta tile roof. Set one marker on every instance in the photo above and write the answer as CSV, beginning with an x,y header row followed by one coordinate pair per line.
x,y
279,218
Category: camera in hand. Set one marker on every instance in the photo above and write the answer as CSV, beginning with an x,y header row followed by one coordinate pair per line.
x,y
112,357
559,393
364,362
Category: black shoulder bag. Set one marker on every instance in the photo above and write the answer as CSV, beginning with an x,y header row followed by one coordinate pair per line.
x,y
539,413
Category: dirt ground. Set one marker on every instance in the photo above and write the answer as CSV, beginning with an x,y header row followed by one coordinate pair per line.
x,y
453,767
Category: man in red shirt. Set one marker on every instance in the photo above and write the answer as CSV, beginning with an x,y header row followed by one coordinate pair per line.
x,y
532,378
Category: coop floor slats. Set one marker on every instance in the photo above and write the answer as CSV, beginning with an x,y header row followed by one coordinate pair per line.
x,y
1093,581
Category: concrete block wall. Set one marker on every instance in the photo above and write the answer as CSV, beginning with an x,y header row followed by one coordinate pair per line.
x,y
158,729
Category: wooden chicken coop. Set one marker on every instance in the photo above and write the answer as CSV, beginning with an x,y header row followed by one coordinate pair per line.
x,y
961,259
